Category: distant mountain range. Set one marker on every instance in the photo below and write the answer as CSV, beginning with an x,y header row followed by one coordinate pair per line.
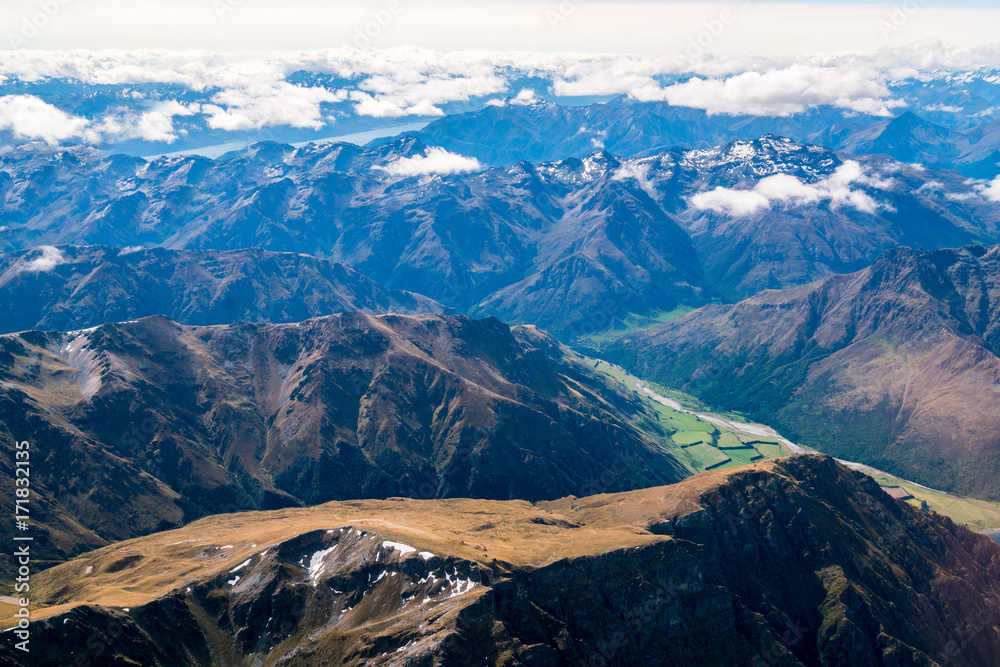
x,y
575,246
91,285
792,562
502,135
897,365
144,425
150,103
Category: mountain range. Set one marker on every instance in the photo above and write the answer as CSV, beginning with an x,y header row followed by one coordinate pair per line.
x,y
897,365
145,425
574,246
792,562
66,288
502,135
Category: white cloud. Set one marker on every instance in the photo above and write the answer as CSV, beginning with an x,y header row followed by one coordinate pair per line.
x,y
434,161
50,258
155,124
789,190
777,93
267,104
525,98
991,190
944,108
639,171
30,117
384,108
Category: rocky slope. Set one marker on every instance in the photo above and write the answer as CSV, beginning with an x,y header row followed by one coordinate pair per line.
x,y
790,562
573,246
73,287
895,366
144,425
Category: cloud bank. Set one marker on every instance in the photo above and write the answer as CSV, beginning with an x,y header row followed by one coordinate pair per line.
x,y
248,91
779,93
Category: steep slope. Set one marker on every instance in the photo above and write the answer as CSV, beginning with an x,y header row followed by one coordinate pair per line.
x,y
895,366
143,425
791,562
71,287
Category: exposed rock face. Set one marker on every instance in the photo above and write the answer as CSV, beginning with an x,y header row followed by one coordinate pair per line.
x,y
790,562
144,425
91,285
895,366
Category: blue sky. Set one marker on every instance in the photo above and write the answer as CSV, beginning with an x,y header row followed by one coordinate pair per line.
x,y
661,28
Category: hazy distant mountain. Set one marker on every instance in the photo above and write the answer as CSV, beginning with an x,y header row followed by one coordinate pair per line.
x,y
907,138
897,366
793,562
573,246
504,134
143,425
91,285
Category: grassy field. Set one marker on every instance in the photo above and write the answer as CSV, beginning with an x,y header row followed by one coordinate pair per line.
x,y
688,438
707,457
729,440
771,450
703,445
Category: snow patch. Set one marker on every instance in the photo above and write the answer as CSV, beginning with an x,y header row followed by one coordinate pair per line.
x,y
240,566
403,548
316,564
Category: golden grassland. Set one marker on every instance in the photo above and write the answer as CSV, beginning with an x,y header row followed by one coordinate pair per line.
x,y
508,533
